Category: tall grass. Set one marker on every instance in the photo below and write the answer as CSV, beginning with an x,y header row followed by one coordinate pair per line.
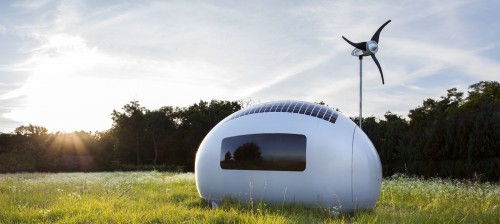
x,y
154,197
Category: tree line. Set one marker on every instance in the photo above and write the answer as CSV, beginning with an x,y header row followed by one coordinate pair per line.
x,y
451,137
164,139
454,136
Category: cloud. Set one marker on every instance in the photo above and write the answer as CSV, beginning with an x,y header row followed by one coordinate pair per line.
x,y
3,29
67,75
32,5
436,57
87,58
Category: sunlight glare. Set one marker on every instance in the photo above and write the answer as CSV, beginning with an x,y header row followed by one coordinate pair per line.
x,y
58,95
76,87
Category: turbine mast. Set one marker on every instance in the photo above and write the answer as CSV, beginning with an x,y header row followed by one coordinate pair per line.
x,y
367,48
360,90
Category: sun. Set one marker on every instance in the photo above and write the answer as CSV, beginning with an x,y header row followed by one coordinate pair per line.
x,y
58,95
74,86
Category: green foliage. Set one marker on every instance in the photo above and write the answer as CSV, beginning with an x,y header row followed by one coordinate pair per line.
x,y
167,135
154,197
438,200
77,151
164,139
450,137
196,121
455,136
31,130
129,132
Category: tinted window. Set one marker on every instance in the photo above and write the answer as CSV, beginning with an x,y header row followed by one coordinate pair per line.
x,y
280,152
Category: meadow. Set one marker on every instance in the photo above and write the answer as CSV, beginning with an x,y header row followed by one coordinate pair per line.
x,y
158,197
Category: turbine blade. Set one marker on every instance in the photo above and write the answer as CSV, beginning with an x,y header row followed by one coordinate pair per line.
x,y
379,68
361,45
377,34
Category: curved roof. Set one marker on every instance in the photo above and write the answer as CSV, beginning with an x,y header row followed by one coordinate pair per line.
x,y
297,107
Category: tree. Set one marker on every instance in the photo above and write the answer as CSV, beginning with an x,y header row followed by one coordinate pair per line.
x,y
394,131
129,131
196,121
31,130
483,94
160,125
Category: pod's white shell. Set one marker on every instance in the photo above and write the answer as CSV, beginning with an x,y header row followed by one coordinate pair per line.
x,y
343,169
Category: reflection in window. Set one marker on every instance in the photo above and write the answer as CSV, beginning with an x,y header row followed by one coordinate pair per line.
x,y
274,151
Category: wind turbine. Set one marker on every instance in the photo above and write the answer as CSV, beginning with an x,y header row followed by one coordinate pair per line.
x,y
361,49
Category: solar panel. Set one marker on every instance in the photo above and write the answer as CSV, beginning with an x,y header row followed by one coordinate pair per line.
x,y
285,107
315,111
279,107
321,113
252,111
327,116
303,108
263,108
268,108
290,107
246,112
308,109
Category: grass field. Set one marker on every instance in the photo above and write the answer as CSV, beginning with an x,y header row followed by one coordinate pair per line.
x,y
154,197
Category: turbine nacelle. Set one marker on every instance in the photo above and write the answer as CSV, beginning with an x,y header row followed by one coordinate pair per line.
x,y
371,49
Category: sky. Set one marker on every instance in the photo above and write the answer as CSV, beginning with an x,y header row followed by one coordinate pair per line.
x,y
66,65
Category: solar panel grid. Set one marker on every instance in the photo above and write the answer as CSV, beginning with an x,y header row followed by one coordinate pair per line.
x,y
279,107
290,107
315,111
309,109
297,107
305,108
321,113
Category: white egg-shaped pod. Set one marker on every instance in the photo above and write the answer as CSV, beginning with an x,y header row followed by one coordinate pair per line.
x,y
289,152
